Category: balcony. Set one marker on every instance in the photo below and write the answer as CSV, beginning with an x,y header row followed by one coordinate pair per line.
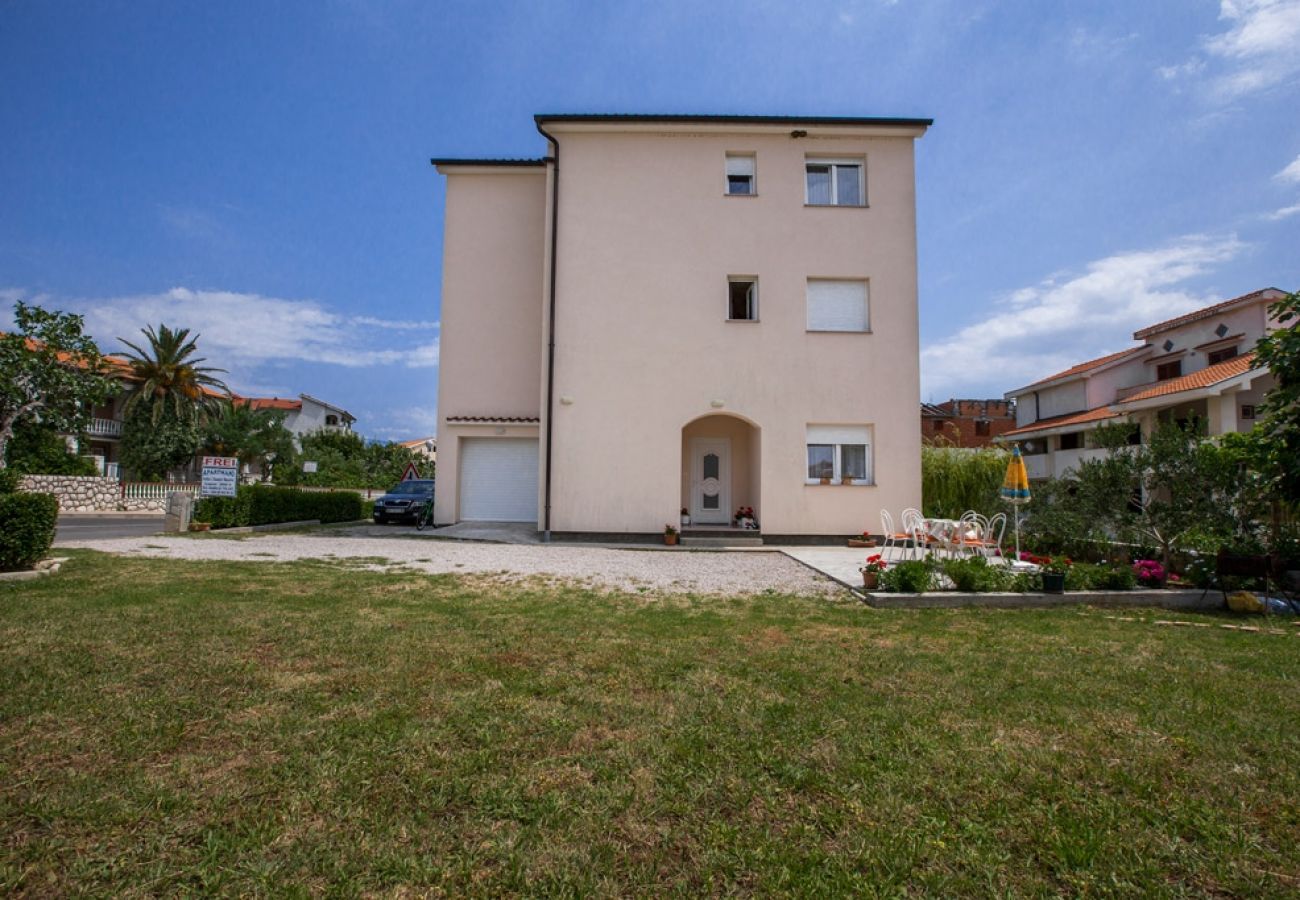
x,y
1038,466
104,428
1067,461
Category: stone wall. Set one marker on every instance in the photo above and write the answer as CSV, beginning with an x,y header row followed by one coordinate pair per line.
x,y
77,493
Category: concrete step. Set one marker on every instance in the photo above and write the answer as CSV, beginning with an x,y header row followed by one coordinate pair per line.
x,y
717,543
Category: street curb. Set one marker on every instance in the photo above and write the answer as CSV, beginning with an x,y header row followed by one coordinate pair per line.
x,y
274,526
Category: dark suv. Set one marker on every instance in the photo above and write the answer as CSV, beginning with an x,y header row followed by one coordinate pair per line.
x,y
402,503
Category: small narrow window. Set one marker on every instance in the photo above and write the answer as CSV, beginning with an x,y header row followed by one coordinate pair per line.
x,y
1218,356
742,300
982,427
835,183
1071,441
1248,411
1166,371
740,175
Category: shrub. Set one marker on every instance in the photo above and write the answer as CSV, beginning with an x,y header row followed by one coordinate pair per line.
x,y
1149,572
9,481
908,577
260,504
26,528
37,449
975,575
1117,578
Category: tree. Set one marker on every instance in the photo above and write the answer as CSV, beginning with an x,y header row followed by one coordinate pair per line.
x,y
151,448
51,372
254,436
37,449
1176,484
1278,433
170,377
344,459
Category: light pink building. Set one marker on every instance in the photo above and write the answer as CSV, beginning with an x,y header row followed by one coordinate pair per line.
x,y
682,312
1198,365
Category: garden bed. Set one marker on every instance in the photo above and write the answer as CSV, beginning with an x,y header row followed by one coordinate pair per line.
x,y
1162,599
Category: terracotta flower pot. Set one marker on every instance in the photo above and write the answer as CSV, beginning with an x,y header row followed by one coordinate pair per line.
x,y
871,580
200,526
670,540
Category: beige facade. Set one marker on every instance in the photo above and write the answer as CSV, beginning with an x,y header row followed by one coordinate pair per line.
x,y
666,392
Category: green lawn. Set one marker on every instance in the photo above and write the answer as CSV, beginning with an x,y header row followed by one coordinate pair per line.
x,y
258,728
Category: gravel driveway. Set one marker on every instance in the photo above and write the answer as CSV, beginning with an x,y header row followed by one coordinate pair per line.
x,y
676,571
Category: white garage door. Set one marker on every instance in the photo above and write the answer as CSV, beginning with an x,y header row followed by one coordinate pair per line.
x,y
498,480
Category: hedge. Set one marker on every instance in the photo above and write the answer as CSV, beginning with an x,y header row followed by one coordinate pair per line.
x,y
26,528
260,504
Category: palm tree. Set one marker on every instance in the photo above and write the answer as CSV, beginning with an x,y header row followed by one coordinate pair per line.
x,y
170,377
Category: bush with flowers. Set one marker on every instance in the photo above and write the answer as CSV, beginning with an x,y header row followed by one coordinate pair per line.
x,y
1149,572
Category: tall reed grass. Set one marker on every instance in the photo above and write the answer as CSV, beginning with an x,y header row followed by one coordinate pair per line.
x,y
957,479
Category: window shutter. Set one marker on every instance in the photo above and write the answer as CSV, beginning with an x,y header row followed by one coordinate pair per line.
x,y
739,165
837,306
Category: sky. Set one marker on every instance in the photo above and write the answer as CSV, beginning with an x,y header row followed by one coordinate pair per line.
x,y
259,172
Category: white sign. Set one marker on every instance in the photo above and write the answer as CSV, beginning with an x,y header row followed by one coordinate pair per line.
x,y
309,467
220,476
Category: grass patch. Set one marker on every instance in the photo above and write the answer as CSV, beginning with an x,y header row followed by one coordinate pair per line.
x,y
244,728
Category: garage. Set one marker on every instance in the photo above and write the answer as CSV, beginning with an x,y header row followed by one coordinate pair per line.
x,y
498,480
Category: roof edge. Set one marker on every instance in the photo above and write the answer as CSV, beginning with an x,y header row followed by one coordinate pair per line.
x,y
634,118
472,161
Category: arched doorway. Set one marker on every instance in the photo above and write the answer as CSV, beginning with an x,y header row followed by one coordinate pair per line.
x,y
720,469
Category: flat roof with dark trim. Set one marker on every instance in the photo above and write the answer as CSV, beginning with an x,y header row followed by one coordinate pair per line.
x,y
732,120
462,161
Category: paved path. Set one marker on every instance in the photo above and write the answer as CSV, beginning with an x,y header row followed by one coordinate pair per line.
x,y
636,569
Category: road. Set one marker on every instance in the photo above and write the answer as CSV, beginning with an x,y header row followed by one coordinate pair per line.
x,y
88,527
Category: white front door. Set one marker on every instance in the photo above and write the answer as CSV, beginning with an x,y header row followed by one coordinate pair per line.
x,y
711,481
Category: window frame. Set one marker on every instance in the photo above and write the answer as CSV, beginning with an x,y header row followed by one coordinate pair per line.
x,y
837,455
1163,368
752,281
1223,354
753,174
835,163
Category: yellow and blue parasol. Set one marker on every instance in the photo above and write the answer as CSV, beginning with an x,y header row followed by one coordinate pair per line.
x,y
1015,488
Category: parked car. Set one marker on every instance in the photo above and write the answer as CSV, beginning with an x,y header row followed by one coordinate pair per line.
x,y
403,501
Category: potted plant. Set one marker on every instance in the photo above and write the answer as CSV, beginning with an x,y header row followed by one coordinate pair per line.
x,y
871,571
670,535
744,517
1054,570
846,479
863,540
826,479
200,526
686,517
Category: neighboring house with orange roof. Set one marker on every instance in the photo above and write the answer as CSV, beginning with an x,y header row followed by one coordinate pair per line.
x,y
427,448
305,415
1197,365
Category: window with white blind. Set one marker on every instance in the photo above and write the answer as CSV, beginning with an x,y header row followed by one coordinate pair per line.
x,y
741,173
839,452
837,305
835,182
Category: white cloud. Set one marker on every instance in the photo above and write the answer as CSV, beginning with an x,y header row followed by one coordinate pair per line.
x,y
1051,326
240,332
1285,212
1291,174
1256,52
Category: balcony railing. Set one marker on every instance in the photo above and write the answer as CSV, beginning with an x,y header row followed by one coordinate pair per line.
x,y
1038,465
104,428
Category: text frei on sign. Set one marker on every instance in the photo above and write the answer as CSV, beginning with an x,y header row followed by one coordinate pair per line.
x,y
220,476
